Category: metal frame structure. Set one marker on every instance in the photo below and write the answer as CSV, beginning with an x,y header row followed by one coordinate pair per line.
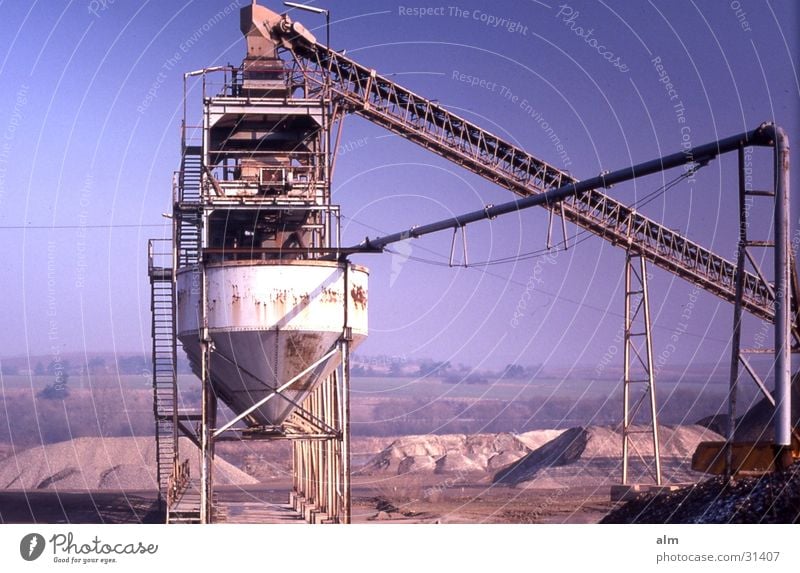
x,y
319,427
784,291
339,85
638,371
362,91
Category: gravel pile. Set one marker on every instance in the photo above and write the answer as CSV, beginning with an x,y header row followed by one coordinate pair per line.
x,y
100,463
773,498
455,453
541,458
593,456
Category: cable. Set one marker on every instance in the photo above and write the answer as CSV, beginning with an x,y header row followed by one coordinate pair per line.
x,y
120,226
558,247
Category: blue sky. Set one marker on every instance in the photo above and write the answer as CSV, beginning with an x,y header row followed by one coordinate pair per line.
x,y
86,160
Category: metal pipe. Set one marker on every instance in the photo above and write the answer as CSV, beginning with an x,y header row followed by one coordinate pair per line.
x,y
700,155
783,356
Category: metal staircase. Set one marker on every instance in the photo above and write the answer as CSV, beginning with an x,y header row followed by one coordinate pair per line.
x,y
165,382
187,197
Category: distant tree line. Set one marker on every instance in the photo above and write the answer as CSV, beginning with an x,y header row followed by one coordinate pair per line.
x,y
396,368
405,416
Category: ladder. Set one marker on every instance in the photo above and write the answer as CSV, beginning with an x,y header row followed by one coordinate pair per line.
x,y
188,198
165,381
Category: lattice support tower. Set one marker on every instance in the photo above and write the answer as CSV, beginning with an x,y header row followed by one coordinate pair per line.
x,y
639,380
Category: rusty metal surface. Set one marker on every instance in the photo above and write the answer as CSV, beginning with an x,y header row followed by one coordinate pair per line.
x,y
268,322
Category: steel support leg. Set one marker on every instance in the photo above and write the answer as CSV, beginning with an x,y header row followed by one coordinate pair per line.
x,y
345,428
638,365
783,356
208,417
737,319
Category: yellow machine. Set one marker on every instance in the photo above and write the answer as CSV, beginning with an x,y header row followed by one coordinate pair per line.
x,y
748,458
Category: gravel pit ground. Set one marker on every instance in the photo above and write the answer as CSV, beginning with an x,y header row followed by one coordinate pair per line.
x,y
772,498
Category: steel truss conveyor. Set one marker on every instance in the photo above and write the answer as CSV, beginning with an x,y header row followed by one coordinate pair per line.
x,y
361,90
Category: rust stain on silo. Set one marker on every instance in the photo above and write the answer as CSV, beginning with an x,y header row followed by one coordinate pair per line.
x,y
359,296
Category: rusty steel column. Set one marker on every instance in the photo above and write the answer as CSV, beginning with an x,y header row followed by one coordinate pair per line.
x,y
206,440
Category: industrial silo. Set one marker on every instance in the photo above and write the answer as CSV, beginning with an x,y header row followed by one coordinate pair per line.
x,y
262,301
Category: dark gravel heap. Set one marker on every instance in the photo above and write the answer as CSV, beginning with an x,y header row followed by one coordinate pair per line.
x,y
773,498
562,451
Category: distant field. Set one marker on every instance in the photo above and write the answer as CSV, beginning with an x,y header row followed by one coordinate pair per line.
x,y
381,406
511,389
132,381
368,387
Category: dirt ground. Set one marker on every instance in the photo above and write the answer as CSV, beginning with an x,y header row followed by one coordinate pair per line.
x,y
478,503
458,504
102,506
